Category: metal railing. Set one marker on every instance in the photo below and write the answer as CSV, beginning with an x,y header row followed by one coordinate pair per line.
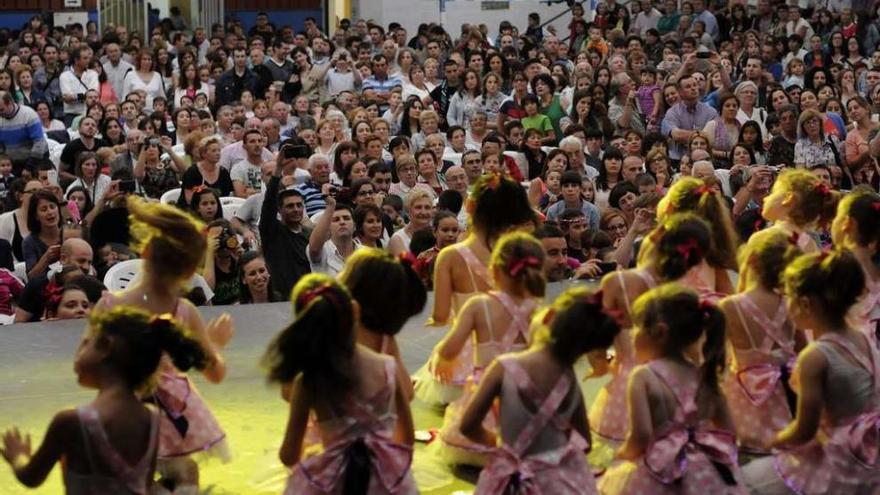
x,y
209,12
133,14
571,5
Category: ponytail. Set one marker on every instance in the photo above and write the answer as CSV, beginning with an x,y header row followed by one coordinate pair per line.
x,y
358,471
685,241
713,347
521,257
141,340
320,341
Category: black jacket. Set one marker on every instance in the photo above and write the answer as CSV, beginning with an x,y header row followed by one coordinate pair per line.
x,y
285,251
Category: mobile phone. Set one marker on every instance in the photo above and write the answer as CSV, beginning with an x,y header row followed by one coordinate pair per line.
x,y
52,175
607,266
704,54
341,193
126,186
295,151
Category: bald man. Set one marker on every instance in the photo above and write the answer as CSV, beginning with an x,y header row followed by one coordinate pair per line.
x,y
75,253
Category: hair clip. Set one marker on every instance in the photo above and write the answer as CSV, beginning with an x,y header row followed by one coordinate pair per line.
x,y
517,265
689,248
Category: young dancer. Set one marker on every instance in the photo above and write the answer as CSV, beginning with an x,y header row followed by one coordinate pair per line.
x,y
856,228
831,444
680,245
173,244
681,438
354,392
798,204
110,444
763,341
543,420
497,322
496,205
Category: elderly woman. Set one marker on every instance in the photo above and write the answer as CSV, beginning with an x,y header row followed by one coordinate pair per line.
x,y
746,93
814,147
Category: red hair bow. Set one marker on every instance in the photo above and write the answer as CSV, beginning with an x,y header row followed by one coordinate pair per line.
x,y
689,248
308,296
199,189
52,293
702,189
518,265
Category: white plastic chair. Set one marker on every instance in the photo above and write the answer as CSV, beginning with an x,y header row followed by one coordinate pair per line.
x,y
21,271
120,275
230,205
171,196
453,157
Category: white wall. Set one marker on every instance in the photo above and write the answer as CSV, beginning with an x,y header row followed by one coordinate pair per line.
x,y
411,13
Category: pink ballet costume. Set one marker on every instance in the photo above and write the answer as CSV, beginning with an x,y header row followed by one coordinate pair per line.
x,y
842,458
609,416
186,424
867,311
458,449
754,385
687,454
428,387
540,452
110,472
370,420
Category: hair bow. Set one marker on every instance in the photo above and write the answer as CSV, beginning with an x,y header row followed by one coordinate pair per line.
x,y
416,264
52,293
702,189
199,189
689,248
706,306
822,188
517,265
308,296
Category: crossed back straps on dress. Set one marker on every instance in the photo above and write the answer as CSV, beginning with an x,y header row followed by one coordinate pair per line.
x,y
135,476
519,322
771,327
546,407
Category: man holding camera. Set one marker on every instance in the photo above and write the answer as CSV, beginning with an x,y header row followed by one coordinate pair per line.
x,y
76,82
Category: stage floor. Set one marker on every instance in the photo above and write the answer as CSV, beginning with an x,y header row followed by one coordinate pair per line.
x,y
36,363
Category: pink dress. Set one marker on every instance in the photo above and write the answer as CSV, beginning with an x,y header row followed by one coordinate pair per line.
x,y
867,311
540,452
372,421
609,417
187,426
687,456
428,387
754,386
458,449
843,456
110,472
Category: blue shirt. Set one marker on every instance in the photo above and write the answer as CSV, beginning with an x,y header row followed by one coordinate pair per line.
x,y
312,197
688,119
382,87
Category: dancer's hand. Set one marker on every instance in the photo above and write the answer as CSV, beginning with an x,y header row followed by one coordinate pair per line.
x,y
14,445
444,370
220,330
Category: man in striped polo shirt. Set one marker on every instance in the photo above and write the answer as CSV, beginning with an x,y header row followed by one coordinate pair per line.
x,y
21,133
381,83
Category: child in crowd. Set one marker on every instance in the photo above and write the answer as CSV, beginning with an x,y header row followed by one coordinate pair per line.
x,y
680,438
856,228
498,322
763,341
110,444
6,177
829,446
543,420
446,230
650,98
173,245
799,204
355,393
205,204
536,120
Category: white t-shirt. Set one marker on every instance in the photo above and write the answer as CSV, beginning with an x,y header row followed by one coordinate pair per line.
x,y
72,85
329,261
153,89
248,174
